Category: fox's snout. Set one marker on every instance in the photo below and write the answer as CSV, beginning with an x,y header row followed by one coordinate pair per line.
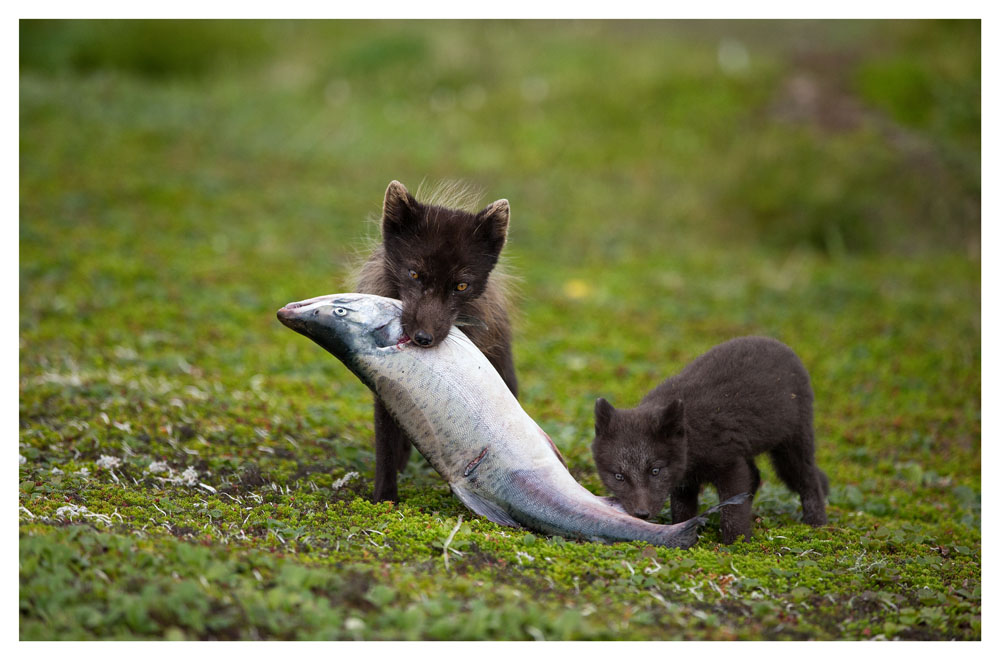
x,y
640,504
426,336
637,509
427,321
423,338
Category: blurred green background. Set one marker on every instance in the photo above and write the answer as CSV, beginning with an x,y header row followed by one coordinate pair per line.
x,y
840,135
672,184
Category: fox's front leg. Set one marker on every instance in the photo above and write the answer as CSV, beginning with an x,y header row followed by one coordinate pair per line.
x,y
392,451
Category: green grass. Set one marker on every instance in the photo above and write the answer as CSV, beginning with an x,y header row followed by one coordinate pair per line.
x,y
173,198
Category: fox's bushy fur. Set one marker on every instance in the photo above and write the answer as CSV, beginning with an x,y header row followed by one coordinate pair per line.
x,y
705,425
441,261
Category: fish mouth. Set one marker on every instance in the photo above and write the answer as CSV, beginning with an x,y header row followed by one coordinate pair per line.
x,y
293,313
290,306
290,315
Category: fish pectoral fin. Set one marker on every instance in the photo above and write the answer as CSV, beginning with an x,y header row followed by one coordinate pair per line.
x,y
483,507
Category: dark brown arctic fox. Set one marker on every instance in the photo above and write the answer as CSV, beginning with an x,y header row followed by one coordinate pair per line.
x,y
438,261
705,425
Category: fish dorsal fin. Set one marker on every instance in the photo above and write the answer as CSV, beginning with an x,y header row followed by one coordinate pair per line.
x,y
483,507
555,449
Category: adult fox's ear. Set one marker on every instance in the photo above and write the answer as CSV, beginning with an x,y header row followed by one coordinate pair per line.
x,y
400,209
494,219
603,412
669,419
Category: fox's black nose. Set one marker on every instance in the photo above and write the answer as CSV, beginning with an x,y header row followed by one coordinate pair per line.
x,y
423,338
642,514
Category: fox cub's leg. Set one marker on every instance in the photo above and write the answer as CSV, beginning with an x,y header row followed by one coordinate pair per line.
x,y
684,502
796,466
392,450
737,478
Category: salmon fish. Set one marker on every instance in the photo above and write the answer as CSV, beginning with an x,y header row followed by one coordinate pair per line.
x,y
464,420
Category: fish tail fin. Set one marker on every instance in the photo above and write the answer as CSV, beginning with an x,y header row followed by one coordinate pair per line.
x,y
683,535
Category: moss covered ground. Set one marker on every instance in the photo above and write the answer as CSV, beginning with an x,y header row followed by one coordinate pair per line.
x,y
190,469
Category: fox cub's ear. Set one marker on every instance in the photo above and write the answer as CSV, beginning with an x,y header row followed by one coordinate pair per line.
x,y
399,209
495,218
603,412
669,419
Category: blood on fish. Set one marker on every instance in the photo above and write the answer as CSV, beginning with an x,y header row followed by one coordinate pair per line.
x,y
476,461
402,340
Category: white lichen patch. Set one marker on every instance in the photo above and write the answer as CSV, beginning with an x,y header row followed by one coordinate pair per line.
x,y
73,511
339,483
189,477
108,462
158,466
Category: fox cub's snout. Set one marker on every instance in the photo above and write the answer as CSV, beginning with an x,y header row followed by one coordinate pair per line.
x,y
639,453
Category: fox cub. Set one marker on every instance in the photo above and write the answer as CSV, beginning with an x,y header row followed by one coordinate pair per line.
x,y
705,425
441,262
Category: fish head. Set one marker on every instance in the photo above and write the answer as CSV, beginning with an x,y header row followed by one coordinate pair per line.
x,y
348,325
640,453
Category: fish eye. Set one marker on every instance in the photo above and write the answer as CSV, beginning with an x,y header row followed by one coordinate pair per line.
x,y
414,275
655,471
619,477
340,311
461,286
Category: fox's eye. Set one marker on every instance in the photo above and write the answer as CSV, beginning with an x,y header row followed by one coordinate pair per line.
x,y
655,471
461,286
414,275
619,477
